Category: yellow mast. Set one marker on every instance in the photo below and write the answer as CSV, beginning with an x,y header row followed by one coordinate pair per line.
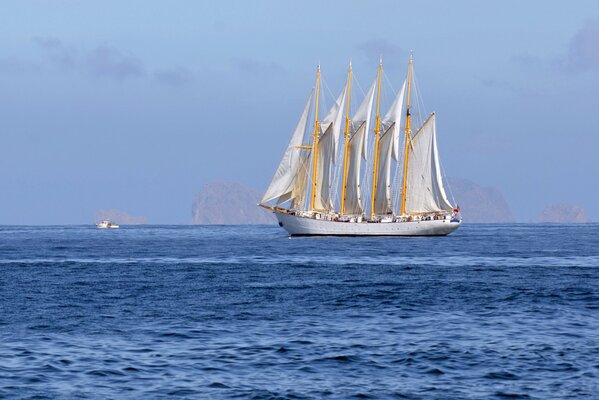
x,y
377,131
315,141
408,137
347,104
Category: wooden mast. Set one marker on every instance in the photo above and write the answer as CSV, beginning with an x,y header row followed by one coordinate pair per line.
x,y
377,132
315,140
408,138
346,151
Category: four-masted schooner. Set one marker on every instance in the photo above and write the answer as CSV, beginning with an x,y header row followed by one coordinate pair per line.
x,y
303,193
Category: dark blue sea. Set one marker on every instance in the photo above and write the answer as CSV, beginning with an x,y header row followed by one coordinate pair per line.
x,y
217,312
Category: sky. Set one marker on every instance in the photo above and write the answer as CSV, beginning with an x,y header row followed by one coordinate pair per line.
x,y
135,105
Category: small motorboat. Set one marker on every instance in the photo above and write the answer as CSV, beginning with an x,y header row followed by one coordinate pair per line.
x,y
106,224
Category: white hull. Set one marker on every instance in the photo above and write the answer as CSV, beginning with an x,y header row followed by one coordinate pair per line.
x,y
106,225
298,226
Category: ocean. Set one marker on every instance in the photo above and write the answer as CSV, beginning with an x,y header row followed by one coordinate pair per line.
x,y
218,312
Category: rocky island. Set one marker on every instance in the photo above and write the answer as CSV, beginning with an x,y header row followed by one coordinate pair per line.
x,y
480,204
119,217
229,203
564,213
234,203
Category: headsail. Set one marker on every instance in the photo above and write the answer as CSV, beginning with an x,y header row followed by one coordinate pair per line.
x,y
330,128
360,127
283,182
425,191
388,148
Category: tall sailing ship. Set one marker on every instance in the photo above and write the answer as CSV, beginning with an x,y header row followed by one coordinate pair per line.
x,y
326,185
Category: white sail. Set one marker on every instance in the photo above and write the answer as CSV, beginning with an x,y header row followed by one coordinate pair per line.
x,y
307,179
322,198
393,120
425,191
283,181
363,115
298,195
331,124
357,150
388,148
382,201
327,148
353,194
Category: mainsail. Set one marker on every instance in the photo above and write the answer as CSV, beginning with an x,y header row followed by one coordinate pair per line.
x,y
425,192
328,140
300,189
388,148
284,181
360,126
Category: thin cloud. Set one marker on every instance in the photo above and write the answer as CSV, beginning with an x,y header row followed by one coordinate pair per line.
x,y
102,62
583,49
11,65
528,60
257,68
580,55
494,83
48,42
107,62
374,48
176,77
60,54
111,63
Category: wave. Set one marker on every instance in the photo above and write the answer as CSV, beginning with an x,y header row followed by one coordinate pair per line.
x,y
447,261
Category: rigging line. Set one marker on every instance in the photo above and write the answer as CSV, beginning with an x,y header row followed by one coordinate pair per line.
x,y
354,98
388,82
310,117
417,111
326,86
423,113
444,177
420,97
355,82
414,105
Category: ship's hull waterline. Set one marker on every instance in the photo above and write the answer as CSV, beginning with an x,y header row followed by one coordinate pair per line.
x,y
303,226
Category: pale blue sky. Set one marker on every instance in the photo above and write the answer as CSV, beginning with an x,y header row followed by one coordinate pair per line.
x,y
134,105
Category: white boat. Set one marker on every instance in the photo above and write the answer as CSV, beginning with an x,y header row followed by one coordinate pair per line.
x,y
318,188
106,224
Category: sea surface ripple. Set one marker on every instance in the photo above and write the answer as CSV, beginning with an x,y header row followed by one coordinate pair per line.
x,y
491,311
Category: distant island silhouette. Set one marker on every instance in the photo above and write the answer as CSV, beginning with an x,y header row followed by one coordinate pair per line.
x,y
564,213
228,203
234,203
119,217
